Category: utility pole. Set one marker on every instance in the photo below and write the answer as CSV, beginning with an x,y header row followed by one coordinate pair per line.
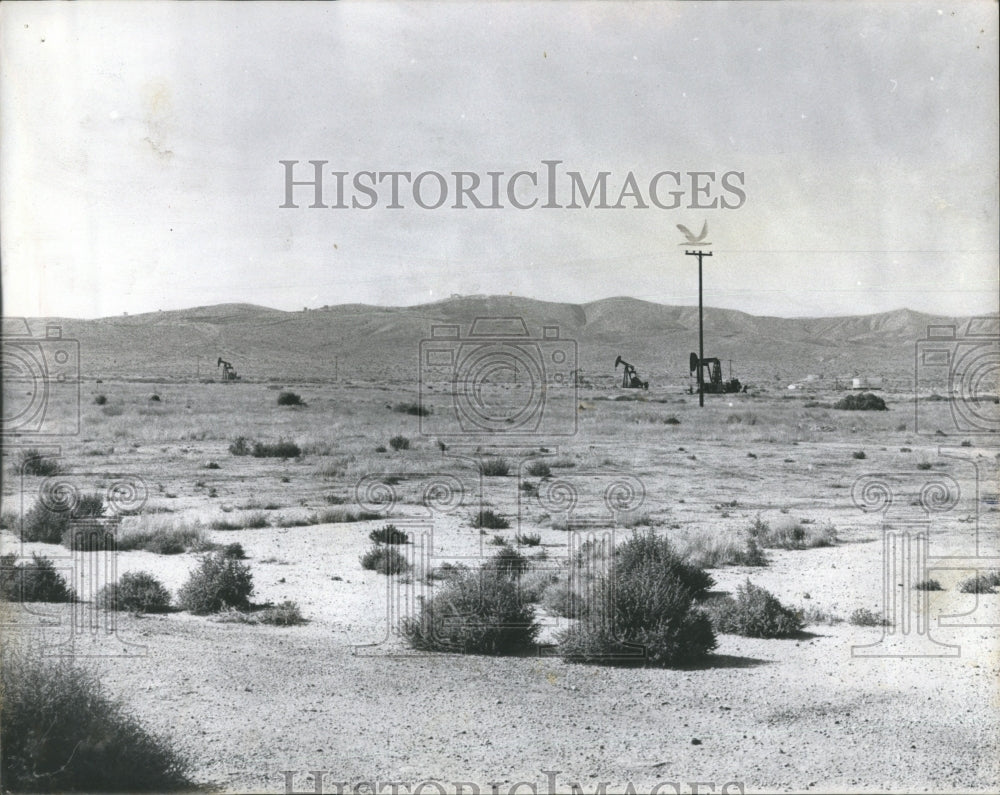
x,y
701,328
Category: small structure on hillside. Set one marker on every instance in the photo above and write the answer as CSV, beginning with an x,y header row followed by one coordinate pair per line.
x,y
228,371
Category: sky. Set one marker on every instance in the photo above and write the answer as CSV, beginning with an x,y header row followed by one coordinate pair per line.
x,y
141,148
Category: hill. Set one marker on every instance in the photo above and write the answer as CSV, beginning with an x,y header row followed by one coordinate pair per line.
x,y
365,343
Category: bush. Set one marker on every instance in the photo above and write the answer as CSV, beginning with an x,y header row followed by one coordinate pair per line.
x,y
384,560
286,614
61,732
389,534
100,400
539,469
986,582
928,585
476,612
43,524
489,520
138,592
648,548
644,612
218,582
494,467
866,401
33,462
34,581
411,408
859,454
528,539
507,562
234,551
240,446
754,613
399,442
280,449
863,617
290,399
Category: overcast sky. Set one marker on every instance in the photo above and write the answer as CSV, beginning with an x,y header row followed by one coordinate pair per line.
x,y
141,144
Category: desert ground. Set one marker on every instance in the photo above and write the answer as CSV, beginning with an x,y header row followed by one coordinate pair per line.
x,y
257,707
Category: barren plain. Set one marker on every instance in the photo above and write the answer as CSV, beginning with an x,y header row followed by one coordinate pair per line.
x,y
904,707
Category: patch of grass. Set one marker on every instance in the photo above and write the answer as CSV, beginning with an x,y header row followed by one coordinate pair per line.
x,y
497,541
817,615
32,461
539,469
100,400
218,582
345,515
863,617
254,520
476,612
714,550
859,454
528,539
866,401
496,467
389,534
489,520
399,442
283,448
32,581
928,585
924,465
290,399
285,614
384,560
137,592
986,582
163,537
791,534
754,613
61,732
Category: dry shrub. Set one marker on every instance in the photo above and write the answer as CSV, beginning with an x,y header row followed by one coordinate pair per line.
x,y
61,732
754,613
477,612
